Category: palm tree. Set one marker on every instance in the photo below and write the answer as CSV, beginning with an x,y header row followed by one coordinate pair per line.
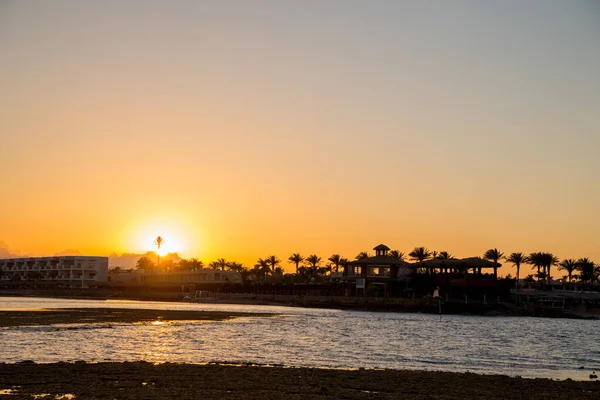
x,y
273,262
362,255
159,241
195,264
494,255
419,254
235,266
220,263
517,259
536,260
569,265
548,260
183,265
586,268
444,255
314,262
336,260
397,254
144,263
262,266
296,258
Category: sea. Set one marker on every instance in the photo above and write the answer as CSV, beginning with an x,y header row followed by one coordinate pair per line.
x,y
303,337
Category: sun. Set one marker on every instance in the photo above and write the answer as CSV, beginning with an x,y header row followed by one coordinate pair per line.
x,y
169,243
175,238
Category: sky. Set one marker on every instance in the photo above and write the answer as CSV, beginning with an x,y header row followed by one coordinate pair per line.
x,y
241,129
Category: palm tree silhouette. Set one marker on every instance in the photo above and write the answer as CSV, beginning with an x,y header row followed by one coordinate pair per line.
x,y
419,254
145,263
159,241
235,266
494,255
296,258
569,265
262,267
221,264
195,264
397,254
444,255
548,260
336,259
536,260
517,259
362,255
313,260
273,262
587,270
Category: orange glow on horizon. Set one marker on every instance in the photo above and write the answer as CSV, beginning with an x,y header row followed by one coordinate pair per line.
x,y
177,238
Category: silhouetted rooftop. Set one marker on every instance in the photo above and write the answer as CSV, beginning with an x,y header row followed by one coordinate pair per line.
x,y
381,247
379,260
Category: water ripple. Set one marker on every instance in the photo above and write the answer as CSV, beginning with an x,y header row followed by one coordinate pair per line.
x,y
528,347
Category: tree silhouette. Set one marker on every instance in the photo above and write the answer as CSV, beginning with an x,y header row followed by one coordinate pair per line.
x,y
587,270
548,260
296,258
235,266
144,263
569,265
444,255
261,268
362,255
195,264
220,263
159,241
314,262
536,260
336,259
517,259
494,255
273,263
419,254
397,254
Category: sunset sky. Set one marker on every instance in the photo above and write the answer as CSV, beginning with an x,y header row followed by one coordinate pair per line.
x,y
240,129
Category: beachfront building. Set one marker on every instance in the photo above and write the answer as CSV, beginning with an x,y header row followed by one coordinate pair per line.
x,y
201,276
68,271
376,272
384,275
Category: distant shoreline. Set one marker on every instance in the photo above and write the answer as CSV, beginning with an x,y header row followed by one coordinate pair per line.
x,y
136,380
12,318
336,303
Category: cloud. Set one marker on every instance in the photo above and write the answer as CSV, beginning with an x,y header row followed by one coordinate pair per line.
x,y
6,252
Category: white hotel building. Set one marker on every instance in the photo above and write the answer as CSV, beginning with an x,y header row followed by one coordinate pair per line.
x,y
74,271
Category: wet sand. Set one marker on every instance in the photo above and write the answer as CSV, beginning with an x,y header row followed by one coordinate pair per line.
x,y
10,318
140,380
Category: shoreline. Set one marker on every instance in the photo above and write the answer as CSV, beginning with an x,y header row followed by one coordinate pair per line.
x,y
47,317
370,304
133,380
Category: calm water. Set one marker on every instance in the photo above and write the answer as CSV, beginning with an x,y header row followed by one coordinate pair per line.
x,y
529,347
